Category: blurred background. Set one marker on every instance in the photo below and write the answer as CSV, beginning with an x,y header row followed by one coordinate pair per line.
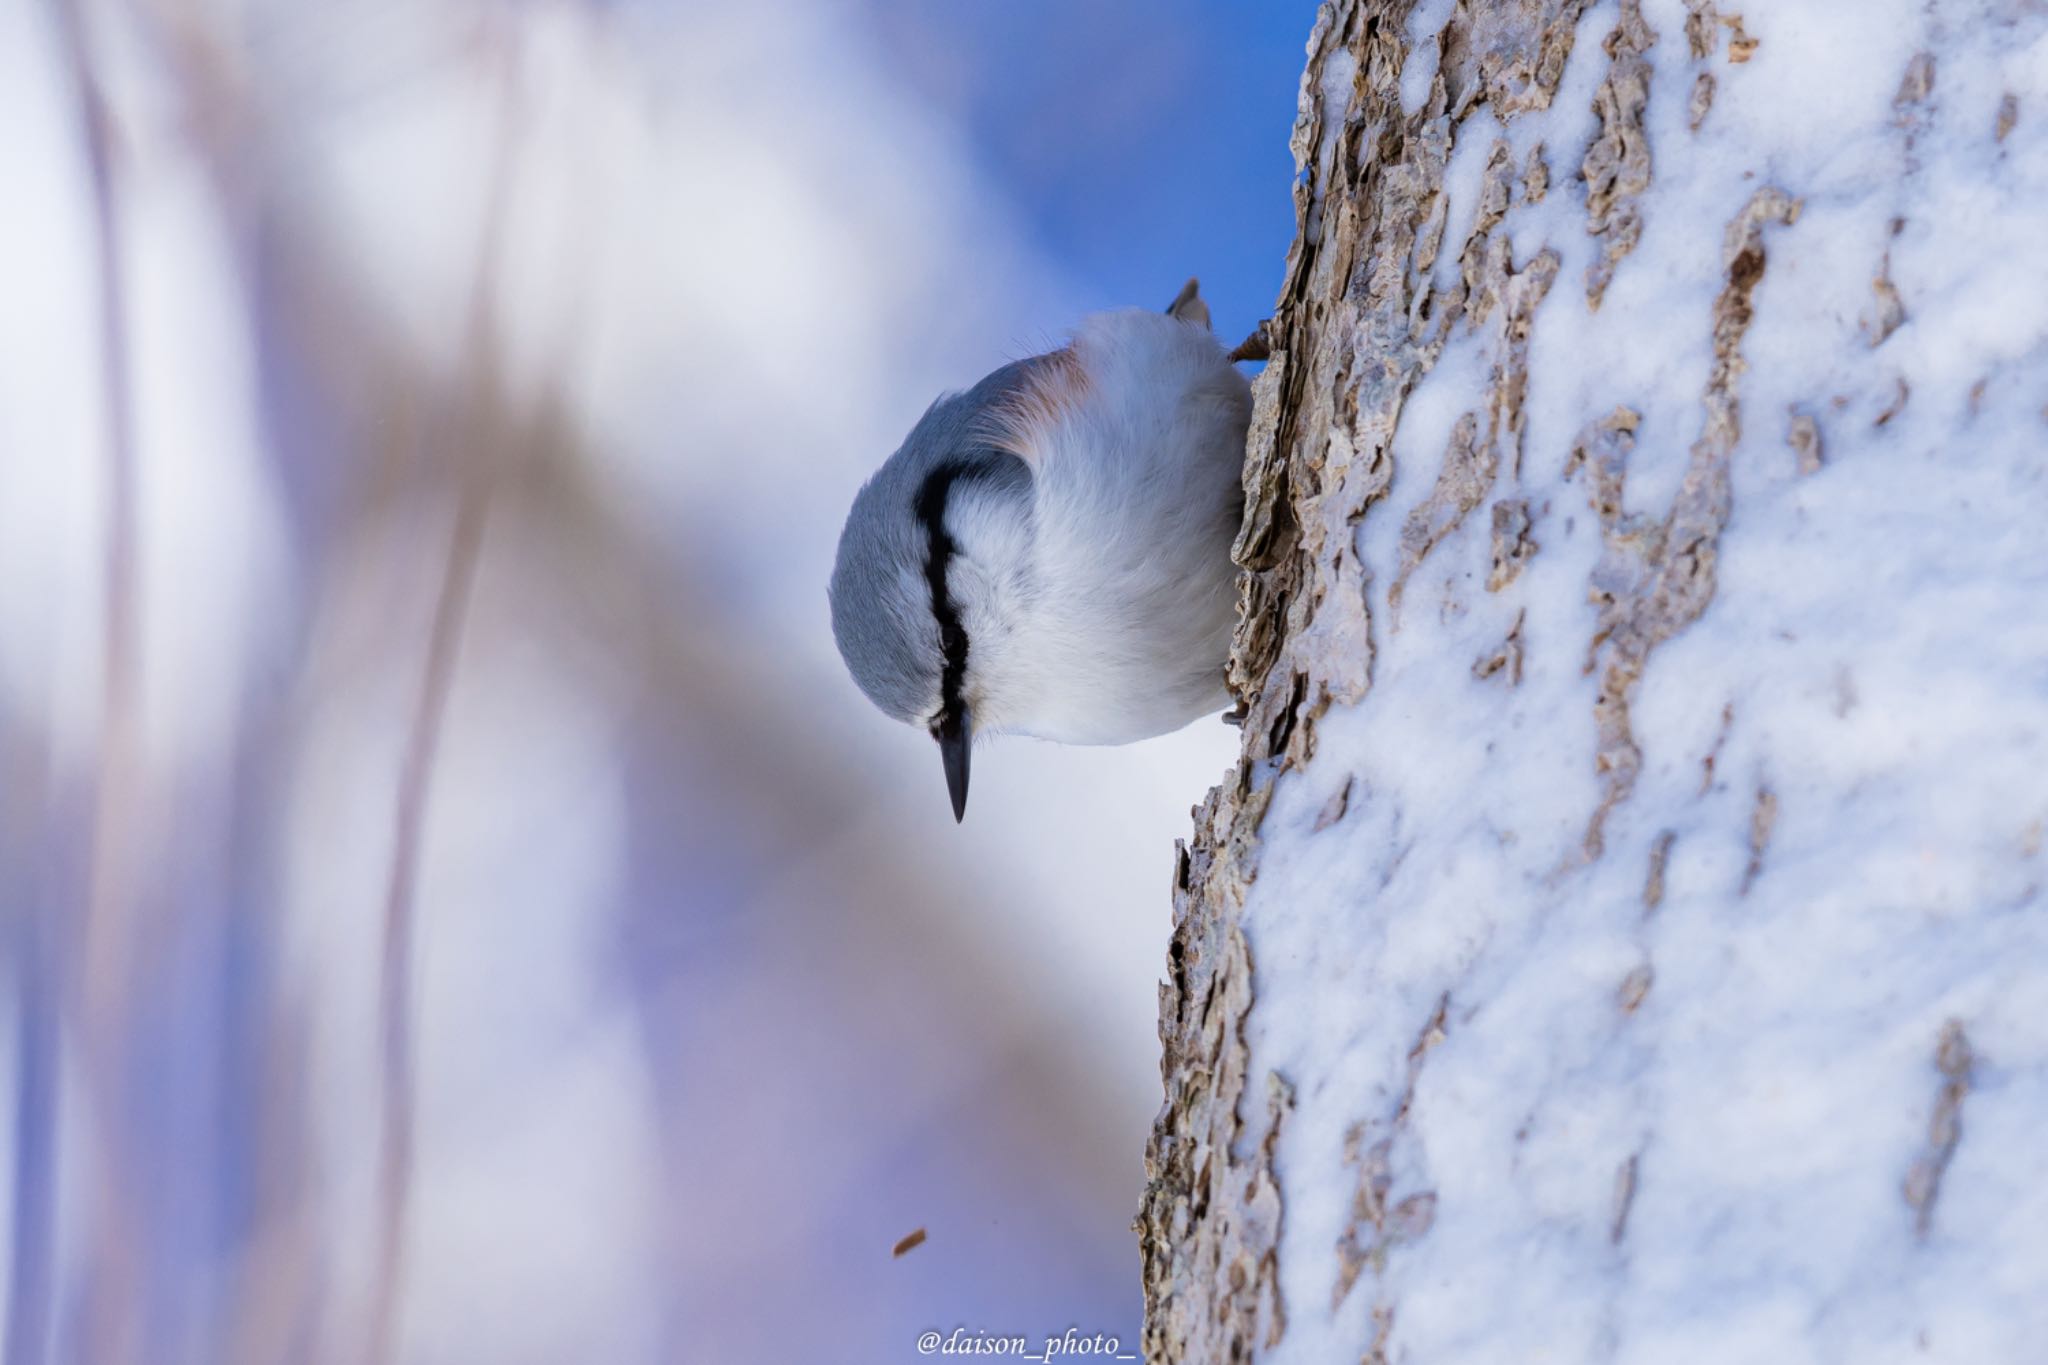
x,y
456,907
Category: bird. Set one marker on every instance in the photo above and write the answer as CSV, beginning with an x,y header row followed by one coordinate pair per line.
x,y
1048,551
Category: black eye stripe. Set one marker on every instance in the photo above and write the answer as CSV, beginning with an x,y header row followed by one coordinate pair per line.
x,y
931,514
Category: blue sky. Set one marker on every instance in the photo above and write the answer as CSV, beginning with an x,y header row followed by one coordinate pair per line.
x,y
1139,142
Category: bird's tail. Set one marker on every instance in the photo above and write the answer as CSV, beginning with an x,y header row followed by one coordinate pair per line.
x,y
1187,305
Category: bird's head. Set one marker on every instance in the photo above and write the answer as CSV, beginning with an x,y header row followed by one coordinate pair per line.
x,y
933,577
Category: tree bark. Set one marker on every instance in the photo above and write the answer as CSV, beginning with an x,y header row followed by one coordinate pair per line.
x,y
1621,937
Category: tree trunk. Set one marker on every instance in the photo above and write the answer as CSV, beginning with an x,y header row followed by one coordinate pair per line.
x,y
1622,937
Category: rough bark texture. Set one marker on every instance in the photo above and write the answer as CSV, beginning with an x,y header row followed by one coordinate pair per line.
x,y
1358,322
1430,218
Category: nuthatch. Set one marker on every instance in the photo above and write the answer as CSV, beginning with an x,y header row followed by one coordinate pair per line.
x,y
1048,553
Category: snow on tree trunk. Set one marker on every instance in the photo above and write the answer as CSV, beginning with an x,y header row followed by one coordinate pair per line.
x,y
1622,937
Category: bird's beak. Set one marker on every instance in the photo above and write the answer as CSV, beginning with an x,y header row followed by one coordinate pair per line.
x,y
955,735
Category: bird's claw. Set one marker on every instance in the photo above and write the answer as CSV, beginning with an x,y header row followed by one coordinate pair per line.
x,y
1257,346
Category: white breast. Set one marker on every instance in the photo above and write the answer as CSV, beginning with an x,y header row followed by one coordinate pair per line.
x,y
1124,624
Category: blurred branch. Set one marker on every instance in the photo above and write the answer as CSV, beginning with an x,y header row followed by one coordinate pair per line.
x,y
105,930
35,1075
475,476
121,637
35,1114
395,1004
